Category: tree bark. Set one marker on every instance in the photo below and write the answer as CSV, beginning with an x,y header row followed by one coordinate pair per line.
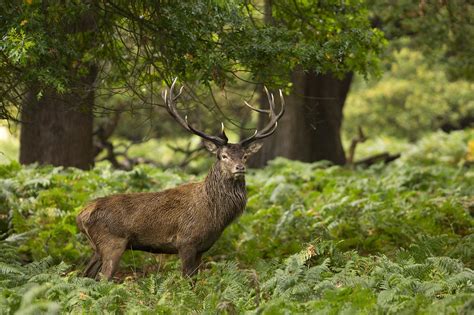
x,y
57,129
310,130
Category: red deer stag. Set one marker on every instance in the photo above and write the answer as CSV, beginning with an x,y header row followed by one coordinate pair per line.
x,y
185,220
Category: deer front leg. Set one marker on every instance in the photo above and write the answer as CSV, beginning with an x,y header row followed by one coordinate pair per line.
x,y
190,261
111,252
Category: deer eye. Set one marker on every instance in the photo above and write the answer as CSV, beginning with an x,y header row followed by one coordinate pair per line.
x,y
245,156
224,157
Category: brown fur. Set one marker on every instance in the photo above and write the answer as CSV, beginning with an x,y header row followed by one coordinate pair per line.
x,y
185,220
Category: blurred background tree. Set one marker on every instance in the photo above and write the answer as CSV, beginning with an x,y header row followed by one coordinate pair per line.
x,y
440,34
442,30
343,41
427,82
411,99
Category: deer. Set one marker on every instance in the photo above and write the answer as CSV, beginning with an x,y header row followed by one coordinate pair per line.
x,y
186,220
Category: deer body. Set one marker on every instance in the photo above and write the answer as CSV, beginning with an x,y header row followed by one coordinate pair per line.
x,y
186,220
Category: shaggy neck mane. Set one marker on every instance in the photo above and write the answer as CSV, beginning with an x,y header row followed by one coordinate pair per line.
x,y
227,196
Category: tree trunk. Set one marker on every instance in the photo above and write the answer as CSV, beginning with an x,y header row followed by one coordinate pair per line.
x,y
310,130
57,129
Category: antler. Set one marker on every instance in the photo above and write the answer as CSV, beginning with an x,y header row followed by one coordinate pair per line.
x,y
170,102
271,126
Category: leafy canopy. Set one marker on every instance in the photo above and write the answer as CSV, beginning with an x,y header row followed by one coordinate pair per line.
x,y
135,44
442,30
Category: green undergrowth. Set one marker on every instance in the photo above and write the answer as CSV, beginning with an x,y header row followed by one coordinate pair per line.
x,y
315,238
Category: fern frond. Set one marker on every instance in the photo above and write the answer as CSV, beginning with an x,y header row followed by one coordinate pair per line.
x,y
8,269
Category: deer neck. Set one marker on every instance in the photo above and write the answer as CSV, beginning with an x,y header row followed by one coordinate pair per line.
x,y
226,196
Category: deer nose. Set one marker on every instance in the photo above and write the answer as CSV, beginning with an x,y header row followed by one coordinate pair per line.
x,y
240,168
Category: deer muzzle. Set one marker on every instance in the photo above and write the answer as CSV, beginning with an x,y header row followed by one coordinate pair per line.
x,y
239,171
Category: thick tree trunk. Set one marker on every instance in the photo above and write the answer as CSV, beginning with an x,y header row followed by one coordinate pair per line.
x,y
57,129
310,130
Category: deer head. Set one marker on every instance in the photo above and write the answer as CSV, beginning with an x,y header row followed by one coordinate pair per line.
x,y
231,157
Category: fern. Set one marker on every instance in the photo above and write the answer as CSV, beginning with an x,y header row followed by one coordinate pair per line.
x,y
6,269
314,239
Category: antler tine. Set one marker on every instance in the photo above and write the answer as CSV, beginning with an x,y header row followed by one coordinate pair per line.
x,y
282,99
174,98
266,134
272,104
259,110
223,135
272,124
170,101
271,101
263,111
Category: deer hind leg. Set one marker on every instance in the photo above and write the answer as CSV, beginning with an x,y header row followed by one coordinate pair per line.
x,y
111,251
94,266
95,263
190,261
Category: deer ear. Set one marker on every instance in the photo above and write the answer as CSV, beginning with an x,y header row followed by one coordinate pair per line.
x,y
210,146
253,147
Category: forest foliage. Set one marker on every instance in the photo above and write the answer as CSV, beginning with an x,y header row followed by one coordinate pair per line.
x,y
314,237
138,47
412,98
